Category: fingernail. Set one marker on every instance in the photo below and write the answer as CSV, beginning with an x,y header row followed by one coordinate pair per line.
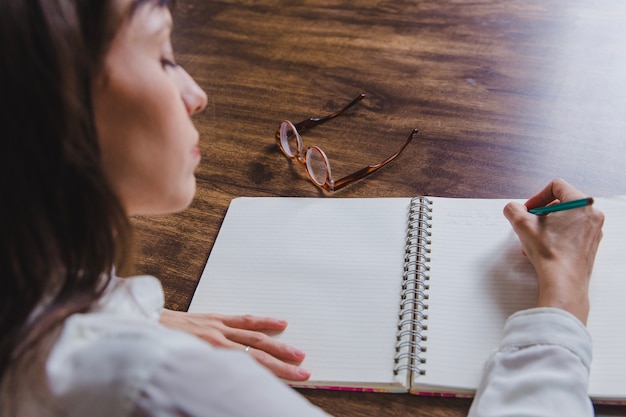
x,y
298,353
281,322
303,373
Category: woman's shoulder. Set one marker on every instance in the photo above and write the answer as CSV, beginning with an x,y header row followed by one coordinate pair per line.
x,y
119,360
102,359
143,368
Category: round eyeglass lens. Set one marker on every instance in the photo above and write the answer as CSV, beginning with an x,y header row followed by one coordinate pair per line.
x,y
317,165
289,139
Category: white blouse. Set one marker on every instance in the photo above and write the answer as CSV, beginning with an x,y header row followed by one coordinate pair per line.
x,y
540,369
117,360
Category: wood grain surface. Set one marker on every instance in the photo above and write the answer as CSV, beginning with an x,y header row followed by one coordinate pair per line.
x,y
507,94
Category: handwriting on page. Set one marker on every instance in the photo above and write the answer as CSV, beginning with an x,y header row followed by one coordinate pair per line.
x,y
485,219
479,276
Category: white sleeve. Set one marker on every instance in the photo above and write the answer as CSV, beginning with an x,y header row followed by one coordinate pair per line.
x,y
195,380
540,369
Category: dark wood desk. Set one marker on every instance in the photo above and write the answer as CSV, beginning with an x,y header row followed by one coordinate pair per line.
x,y
507,95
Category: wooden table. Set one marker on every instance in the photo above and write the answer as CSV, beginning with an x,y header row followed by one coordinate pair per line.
x,y
507,95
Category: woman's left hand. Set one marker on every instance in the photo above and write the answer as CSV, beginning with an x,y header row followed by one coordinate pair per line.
x,y
241,332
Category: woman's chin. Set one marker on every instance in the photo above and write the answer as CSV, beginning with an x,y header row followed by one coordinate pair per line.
x,y
179,204
165,204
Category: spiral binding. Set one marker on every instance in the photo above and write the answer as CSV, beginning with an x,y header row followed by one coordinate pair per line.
x,y
413,316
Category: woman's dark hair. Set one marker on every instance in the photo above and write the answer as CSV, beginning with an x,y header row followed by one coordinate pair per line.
x,y
63,229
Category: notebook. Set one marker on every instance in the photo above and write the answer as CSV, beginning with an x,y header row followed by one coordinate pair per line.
x,y
399,294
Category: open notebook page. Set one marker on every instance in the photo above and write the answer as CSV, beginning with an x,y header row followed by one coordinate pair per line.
x,y
608,310
331,267
479,276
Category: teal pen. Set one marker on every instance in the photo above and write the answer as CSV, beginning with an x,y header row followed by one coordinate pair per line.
x,y
540,211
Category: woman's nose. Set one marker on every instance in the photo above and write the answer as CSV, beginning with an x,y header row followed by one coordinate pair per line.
x,y
193,96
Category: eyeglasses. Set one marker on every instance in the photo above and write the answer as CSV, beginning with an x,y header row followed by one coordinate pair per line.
x,y
314,160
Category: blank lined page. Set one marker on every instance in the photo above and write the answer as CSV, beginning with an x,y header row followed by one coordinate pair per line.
x,y
331,267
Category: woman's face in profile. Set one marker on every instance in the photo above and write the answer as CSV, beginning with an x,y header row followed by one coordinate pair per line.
x,y
143,105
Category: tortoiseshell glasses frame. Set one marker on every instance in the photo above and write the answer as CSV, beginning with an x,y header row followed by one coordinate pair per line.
x,y
314,160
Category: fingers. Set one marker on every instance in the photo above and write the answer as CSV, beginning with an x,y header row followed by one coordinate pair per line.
x,y
281,369
517,214
250,322
557,190
280,358
246,330
265,343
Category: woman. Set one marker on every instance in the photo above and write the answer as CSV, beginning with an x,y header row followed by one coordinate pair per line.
x,y
93,101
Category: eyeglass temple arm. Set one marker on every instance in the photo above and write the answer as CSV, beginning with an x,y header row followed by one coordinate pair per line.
x,y
349,179
314,121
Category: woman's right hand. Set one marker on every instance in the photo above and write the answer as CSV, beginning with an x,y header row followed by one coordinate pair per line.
x,y
561,246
